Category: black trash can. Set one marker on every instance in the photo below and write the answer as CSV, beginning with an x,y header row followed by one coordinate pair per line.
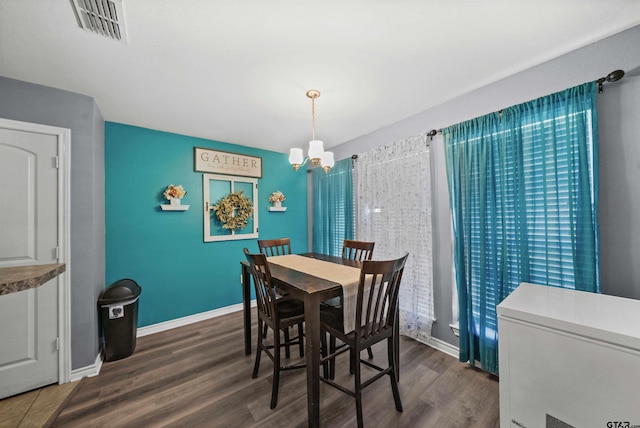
x,y
118,309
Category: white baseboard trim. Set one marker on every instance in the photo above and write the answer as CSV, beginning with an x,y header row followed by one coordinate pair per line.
x,y
442,346
94,369
447,348
438,344
88,371
190,319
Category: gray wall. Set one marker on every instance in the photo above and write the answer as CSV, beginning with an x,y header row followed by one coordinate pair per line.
x,y
40,104
618,110
619,201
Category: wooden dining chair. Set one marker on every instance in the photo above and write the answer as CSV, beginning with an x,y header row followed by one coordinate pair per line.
x,y
376,310
357,250
276,314
275,247
351,250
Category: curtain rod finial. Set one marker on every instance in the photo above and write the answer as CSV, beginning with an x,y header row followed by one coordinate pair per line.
x,y
614,76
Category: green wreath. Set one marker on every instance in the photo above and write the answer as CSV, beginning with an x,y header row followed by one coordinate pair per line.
x,y
234,211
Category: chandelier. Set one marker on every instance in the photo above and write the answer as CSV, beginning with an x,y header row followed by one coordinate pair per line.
x,y
316,150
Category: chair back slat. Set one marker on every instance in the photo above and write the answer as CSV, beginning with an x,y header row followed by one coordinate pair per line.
x,y
377,317
275,247
265,290
357,250
377,298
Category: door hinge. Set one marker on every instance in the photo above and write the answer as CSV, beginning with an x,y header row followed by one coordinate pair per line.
x,y
57,253
57,159
57,343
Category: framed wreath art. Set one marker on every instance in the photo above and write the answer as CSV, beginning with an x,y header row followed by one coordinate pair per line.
x,y
234,211
230,207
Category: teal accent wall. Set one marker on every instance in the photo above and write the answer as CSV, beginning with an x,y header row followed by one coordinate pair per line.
x,y
164,251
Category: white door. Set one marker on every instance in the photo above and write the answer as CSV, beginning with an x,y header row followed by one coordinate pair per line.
x,y
29,228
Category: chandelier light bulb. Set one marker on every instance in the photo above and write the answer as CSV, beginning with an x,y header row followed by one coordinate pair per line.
x,y
315,151
296,158
327,161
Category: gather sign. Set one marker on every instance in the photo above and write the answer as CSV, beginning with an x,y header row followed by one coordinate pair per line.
x,y
216,161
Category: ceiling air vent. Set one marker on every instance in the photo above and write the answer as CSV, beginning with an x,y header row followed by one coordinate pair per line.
x,y
104,17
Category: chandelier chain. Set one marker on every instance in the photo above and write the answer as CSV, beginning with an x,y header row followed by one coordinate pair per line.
x,y
313,118
313,94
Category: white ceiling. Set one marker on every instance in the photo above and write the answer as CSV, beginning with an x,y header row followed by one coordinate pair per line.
x,y
238,70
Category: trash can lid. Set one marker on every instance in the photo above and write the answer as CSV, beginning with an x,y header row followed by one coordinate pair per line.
x,y
120,291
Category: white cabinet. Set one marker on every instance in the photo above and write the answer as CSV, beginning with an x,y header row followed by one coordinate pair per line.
x,y
568,359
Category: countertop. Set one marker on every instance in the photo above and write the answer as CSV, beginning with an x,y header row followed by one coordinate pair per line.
x,y
19,278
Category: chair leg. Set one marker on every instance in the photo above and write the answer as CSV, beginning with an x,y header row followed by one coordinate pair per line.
x,y
396,344
358,387
332,362
391,351
287,349
352,361
256,366
276,370
300,339
324,352
370,352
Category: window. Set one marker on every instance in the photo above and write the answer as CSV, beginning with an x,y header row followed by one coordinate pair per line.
x,y
523,188
333,218
216,187
393,194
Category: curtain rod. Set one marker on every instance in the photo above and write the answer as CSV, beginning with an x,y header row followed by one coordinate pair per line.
x,y
614,76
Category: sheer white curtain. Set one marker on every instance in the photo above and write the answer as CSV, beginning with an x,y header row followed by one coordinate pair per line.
x,y
393,206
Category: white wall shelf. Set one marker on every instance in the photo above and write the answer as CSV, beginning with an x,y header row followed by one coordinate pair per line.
x,y
278,209
167,207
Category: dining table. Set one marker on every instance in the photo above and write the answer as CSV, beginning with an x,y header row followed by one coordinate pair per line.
x,y
312,283
312,290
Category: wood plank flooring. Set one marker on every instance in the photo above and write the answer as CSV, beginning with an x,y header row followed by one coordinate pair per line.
x,y
198,376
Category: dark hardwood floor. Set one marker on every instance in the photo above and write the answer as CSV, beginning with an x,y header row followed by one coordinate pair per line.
x,y
199,376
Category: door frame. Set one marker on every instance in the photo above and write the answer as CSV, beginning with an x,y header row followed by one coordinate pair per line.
x,y
63,136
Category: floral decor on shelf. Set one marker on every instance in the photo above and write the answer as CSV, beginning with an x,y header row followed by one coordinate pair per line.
x,y
276,198
172,191
174,194
234,211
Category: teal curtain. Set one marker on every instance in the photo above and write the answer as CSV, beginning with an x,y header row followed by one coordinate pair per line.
x,y
333,217
523,186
